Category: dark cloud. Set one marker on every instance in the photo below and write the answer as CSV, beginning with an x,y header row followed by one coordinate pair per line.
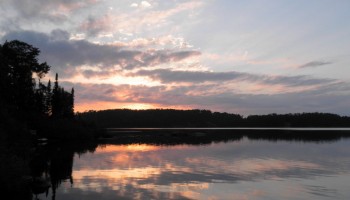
x,y
330,98
112,93
58,34
315,64
169,76
307,101
93,25
42,10
66,55
155,57
91,92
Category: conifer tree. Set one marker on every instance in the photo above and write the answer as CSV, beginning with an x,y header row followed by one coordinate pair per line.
x,y
39,92
72,102
48,99
56,99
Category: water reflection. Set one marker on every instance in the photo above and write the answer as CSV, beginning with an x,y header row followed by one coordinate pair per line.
x,y
53,164
237,167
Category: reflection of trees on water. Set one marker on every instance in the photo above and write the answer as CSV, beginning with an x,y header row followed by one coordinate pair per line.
x,y
203,137
298,136
53,164
61,169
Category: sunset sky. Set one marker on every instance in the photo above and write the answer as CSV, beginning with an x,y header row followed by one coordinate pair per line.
x,y
239,56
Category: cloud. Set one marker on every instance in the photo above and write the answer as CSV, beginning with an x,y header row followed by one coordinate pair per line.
x,y
87,92
329,98
54,10
170,76
65,55
145,4
58,34
93,26
99,74
167,41
315,64
144,19
134,5
157,16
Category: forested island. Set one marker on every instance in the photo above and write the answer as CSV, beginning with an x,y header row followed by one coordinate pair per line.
x,y
126,118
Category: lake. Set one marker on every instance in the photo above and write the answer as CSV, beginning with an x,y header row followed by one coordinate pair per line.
x,y
240,164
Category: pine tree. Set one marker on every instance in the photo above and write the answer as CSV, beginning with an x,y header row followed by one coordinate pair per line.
x,y
56,99
40,106
48,99
72,102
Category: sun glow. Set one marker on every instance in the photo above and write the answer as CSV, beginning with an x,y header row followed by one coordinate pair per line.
x,y
113,78
139,106
104,105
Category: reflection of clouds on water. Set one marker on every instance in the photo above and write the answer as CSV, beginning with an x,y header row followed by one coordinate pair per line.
x,y
237,170
129,192
321,191
249,166
125,148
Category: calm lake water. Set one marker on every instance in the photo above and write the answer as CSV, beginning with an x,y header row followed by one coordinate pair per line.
x,y
201,167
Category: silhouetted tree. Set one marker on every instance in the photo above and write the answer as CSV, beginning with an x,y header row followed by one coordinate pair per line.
x,y
62,102
19,62
40,104
19,90
56,99
71,103
48,99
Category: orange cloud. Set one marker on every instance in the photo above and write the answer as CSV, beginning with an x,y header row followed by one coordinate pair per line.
x,y
104,105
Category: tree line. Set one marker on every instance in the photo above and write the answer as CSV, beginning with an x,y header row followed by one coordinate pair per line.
x,y
205,118
159,118
26,95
